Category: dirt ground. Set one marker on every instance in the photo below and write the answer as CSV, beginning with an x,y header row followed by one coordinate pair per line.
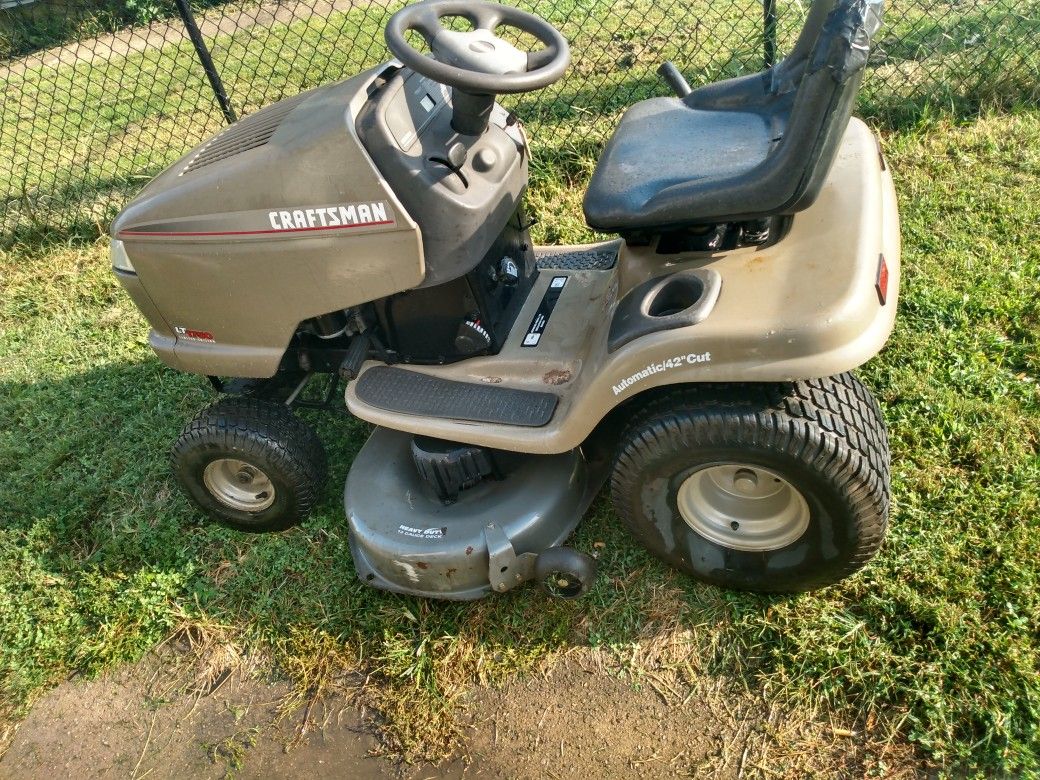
x,y
574,720
143,721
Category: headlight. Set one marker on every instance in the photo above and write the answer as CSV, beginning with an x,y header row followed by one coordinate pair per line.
x,y
120,261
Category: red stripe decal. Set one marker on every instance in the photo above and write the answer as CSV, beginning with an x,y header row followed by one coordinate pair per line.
x,y
253,232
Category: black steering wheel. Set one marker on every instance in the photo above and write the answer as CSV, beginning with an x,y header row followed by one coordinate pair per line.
x,y
478,61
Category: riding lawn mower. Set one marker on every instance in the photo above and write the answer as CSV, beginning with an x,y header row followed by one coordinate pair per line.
x,y
369,238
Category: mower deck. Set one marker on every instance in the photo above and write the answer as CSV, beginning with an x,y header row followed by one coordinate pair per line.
x,y
404,539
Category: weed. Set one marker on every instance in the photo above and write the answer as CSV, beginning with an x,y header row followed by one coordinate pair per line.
x,y
231,751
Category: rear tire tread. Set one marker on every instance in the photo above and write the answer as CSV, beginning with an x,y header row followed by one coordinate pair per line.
x,y
833,425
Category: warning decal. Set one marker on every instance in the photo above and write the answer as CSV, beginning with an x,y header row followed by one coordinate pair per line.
x,y
545,310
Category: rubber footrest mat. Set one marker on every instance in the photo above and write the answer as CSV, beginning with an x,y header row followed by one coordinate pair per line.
x,y
409,392
591,260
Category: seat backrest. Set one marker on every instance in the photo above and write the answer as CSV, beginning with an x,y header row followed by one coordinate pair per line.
x,y
825,67
808,97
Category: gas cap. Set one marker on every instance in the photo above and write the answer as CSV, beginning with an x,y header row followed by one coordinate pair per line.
x,y
485,160
508,271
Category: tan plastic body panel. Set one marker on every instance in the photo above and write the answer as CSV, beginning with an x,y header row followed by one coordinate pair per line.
x,y
804,307
244,248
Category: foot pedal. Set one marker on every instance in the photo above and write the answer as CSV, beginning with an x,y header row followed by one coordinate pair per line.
x,y
411,392
357,351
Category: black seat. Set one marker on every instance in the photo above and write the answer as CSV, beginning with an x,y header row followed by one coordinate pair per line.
x,y
742,149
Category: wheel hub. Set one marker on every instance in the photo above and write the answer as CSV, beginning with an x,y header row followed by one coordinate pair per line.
x,y
743,507
238,485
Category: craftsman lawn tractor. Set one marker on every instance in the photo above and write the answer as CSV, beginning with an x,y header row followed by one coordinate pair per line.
x,y
369,237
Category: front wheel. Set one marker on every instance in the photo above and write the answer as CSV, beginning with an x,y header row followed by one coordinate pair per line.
x,y
250,464
762,487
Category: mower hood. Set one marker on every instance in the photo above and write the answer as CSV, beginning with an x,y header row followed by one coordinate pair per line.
x,y
279,218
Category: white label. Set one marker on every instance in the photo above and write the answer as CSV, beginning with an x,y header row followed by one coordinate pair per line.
x,y
328,217
545,309
668,364
420,533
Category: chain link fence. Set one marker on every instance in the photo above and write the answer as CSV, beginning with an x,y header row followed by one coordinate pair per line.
x,y
100,95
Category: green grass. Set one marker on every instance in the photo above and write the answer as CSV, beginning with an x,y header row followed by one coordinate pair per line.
x,y
101,558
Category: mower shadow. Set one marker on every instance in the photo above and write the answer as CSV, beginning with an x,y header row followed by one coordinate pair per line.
x,y
87,493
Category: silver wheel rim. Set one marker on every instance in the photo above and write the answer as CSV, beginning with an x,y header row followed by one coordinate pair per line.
x,y
743,507
238,485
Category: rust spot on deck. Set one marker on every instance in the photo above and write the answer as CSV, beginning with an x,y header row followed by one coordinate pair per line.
x,y
557,376
422,564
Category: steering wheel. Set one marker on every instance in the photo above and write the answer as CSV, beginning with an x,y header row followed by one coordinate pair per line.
x,y
478,61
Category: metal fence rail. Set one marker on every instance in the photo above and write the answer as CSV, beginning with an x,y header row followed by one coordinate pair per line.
x,y
100,95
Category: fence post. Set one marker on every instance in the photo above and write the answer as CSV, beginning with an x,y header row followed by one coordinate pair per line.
x,y
207,61
769,32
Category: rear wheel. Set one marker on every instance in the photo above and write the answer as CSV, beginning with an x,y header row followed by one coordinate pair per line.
x,y
768,487
250,464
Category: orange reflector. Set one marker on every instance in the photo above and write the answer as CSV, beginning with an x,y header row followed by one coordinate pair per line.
x,y
881,285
